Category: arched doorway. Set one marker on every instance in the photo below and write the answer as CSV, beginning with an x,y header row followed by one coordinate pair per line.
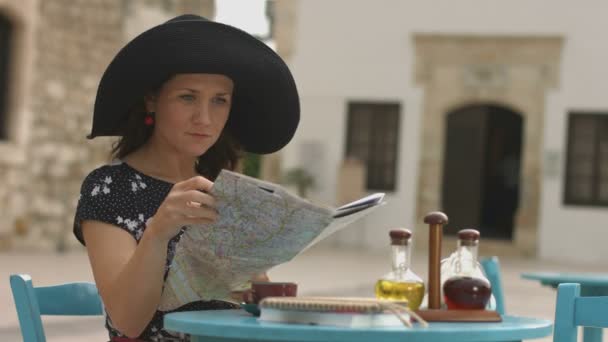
x,y
481,169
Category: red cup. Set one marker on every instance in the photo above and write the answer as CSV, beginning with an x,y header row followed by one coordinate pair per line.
x,y
263,289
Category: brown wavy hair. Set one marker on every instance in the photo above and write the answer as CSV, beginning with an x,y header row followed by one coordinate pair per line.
x,y
224,154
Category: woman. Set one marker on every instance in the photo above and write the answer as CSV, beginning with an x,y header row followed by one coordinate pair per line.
x,y
185,97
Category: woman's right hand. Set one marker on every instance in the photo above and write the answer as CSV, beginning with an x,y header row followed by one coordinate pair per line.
x,y
188,202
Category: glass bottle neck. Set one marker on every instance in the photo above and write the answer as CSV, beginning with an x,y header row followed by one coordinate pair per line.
x,y
401,257
469,249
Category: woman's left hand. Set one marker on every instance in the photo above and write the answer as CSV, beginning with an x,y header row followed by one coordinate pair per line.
x,y
260,277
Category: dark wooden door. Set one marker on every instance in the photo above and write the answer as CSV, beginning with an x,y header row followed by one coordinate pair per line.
x,y
501,174
481,173
464,167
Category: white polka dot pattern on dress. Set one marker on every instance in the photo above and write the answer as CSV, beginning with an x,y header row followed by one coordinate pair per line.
x,y
120,195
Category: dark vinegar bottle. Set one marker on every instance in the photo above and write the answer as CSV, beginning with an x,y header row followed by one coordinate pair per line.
x,y
461,292
465,286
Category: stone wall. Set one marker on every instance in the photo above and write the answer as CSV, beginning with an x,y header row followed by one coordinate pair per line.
x,y
283,16
74,42
12,150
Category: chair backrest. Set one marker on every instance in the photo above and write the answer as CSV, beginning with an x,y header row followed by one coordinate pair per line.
x,y
79,298
491,268
572,311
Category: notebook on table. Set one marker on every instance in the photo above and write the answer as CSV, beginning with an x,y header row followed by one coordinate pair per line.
x,y
337,311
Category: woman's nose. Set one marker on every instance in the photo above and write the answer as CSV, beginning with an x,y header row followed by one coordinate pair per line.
x,y
202,115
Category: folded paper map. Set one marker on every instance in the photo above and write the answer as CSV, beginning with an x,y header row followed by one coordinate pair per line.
x,y
260,225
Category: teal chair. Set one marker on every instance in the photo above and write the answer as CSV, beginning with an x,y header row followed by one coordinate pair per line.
x,y
491,267
75,299
572,311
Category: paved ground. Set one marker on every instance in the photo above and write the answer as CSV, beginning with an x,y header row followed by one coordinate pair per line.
x,y
322,270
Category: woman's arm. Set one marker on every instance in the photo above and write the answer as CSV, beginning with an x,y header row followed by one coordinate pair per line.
x,y
129,276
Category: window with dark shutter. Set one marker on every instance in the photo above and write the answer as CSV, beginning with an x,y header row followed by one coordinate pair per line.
x,y
587,159
373,137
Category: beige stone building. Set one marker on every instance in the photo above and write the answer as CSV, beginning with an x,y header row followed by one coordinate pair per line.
x,y
52,55
494,112
491,111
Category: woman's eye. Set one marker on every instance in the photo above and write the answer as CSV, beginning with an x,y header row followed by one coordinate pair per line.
x,y
187,97
219,100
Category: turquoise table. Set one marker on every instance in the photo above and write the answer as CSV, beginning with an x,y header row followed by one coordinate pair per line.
x,y
592,284
237,325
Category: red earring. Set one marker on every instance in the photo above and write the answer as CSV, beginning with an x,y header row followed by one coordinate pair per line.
x,y
149,119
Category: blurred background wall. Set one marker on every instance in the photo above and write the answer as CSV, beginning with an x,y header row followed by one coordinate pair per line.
x,y
491,111
52,56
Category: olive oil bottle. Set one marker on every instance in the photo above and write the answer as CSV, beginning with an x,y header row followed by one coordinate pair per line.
x,y
401,283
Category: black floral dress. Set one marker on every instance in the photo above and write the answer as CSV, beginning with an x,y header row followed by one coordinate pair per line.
x,y
124,197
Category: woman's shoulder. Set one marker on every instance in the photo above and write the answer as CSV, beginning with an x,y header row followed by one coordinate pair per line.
x,y
107,174
113,194
120,176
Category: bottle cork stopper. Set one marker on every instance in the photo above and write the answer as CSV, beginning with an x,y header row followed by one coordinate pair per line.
x,y
435,218
400,236
468,234
468,237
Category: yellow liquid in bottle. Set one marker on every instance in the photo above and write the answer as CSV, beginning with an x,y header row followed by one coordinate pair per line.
x,y
393,290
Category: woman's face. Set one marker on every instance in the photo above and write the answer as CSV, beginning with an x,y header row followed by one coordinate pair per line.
x,y
191,111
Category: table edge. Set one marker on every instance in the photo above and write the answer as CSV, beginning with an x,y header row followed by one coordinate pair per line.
x,y
543,328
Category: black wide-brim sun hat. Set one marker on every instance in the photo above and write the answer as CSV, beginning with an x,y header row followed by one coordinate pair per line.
x,y
265,108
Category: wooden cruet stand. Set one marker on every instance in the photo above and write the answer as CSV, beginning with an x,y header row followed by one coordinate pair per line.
x,y
436,220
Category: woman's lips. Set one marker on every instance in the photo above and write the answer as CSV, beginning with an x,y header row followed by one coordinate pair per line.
x,y
200,135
